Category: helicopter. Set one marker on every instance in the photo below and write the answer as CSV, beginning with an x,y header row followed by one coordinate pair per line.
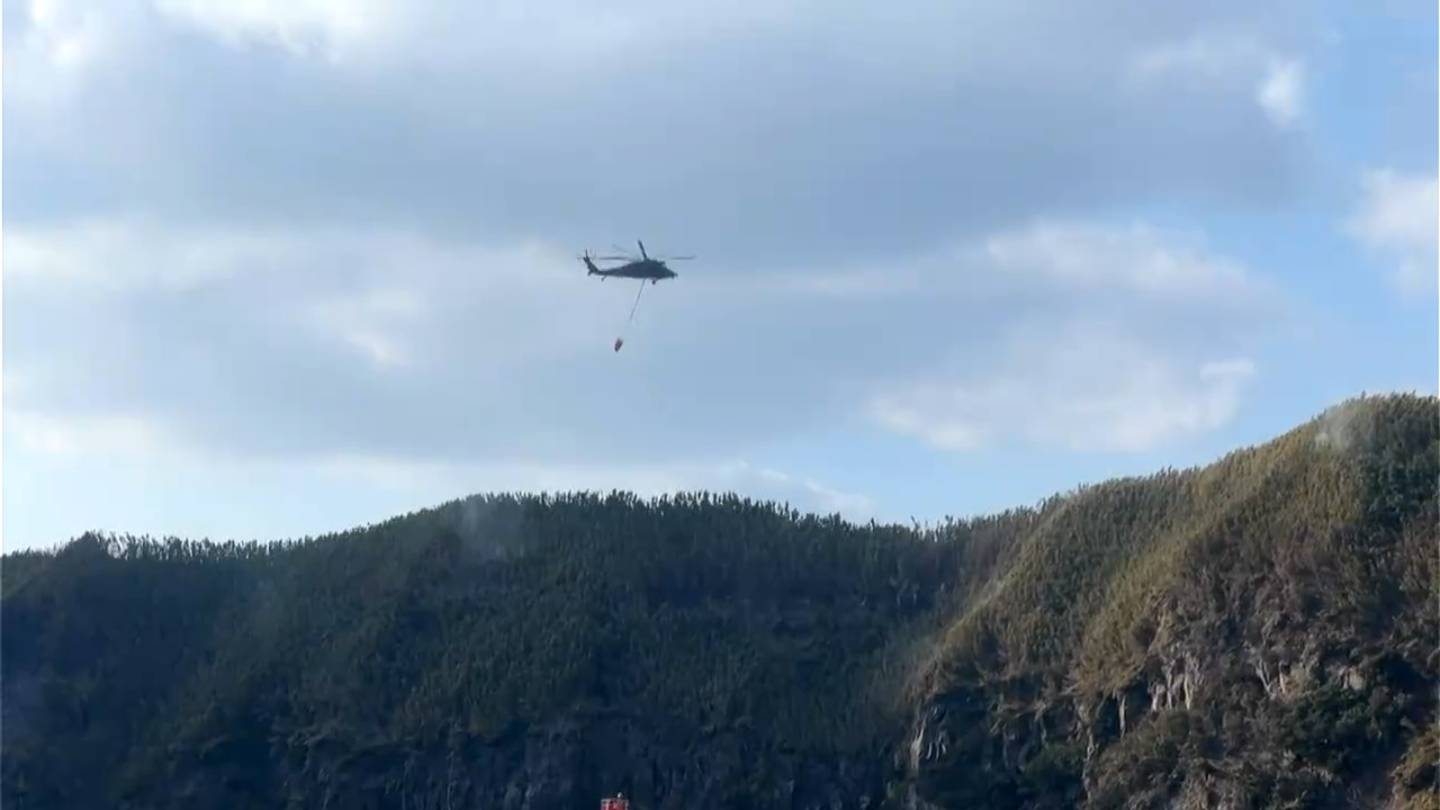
x,y
644,268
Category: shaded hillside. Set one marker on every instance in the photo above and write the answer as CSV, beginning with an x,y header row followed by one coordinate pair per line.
x,y
1260,632
531,652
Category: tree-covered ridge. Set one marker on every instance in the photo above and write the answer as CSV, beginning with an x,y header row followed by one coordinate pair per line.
x,y
468,621
1200,634
1257,632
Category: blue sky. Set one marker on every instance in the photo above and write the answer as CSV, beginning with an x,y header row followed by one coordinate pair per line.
x,y
275,269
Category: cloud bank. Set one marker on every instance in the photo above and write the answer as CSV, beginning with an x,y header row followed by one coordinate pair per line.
x,y
1397,218
290,233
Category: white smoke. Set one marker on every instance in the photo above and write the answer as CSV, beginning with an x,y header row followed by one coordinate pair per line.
x,y
1344,427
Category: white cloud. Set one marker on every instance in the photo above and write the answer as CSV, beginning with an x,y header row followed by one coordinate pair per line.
x,y
1136,258
65,34
130,256
259,348
1208,54
68,473
270,211
846,283
928,411
372,322
1281,92
268,342
84,435
1083,388
54,49
1112,368
100,254
303,27
509,35
1044,257
286,259
1234,59
105,312
1397,216
491,119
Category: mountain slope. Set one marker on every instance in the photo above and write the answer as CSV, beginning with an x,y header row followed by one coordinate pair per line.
x,y
1259,632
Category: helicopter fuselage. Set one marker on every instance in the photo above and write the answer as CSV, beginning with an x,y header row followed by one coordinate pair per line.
x,y
648,269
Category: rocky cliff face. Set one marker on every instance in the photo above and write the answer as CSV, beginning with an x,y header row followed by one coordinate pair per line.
x,y
564,764
1191,734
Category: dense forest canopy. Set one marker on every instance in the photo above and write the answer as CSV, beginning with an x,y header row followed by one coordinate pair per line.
x,y
1258,632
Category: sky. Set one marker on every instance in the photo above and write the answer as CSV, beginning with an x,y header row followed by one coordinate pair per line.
x,y
274,269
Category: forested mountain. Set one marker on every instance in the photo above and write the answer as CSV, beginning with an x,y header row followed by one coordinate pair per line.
x,y
1261,632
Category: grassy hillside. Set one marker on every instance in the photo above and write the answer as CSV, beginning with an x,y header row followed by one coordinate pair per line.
x,y
1260,632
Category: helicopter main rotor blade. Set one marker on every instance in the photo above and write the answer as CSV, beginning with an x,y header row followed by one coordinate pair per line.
x,y
676,258
642,249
